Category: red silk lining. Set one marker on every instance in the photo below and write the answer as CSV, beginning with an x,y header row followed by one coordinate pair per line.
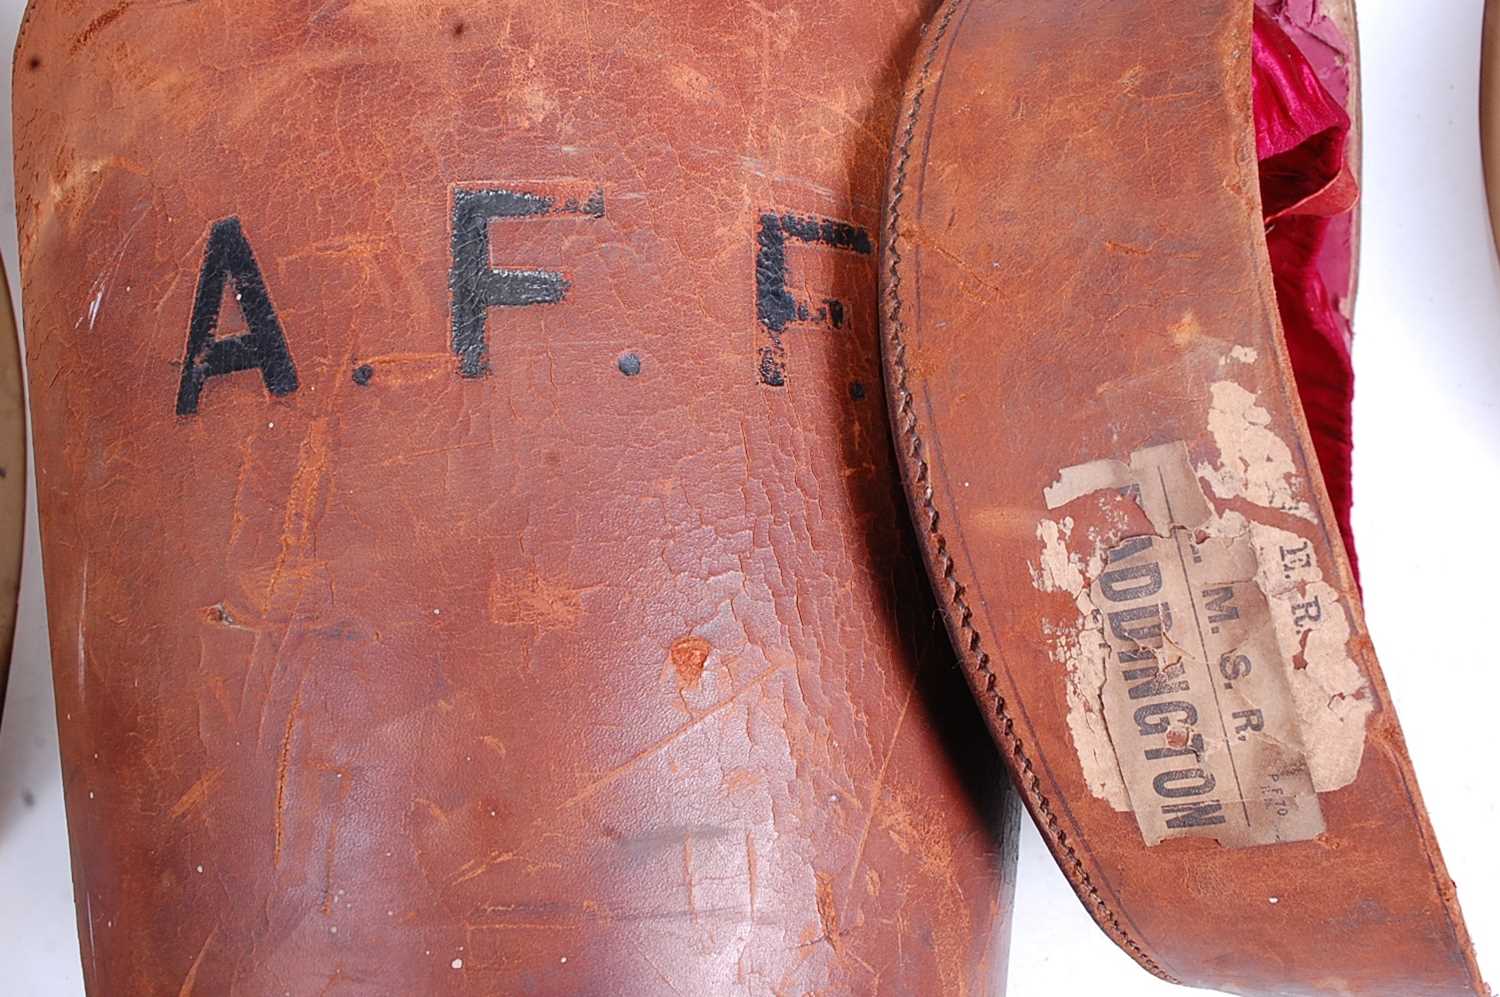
x,y
1309,192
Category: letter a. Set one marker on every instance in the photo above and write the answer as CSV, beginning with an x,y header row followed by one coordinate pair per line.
x,y
261,348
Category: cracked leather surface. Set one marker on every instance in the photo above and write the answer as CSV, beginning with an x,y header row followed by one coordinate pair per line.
x,y
610,671
1074,267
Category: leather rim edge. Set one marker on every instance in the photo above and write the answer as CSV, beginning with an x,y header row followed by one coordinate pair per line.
x,y
13,471
916,481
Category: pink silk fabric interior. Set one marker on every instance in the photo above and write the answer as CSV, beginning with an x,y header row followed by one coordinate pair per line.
x,y
1301,85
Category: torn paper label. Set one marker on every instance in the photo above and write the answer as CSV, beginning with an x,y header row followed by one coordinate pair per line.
x,y
1332,697
1254,463
1196,700
1196,693
1080,648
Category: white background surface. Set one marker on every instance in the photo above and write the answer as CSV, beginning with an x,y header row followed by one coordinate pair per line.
x,y
1427,478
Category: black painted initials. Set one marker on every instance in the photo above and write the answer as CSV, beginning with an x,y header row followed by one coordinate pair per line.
x,y
775,306
263,347
477,287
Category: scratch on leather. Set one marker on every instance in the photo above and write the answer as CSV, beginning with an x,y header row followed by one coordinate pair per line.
x,y
98,24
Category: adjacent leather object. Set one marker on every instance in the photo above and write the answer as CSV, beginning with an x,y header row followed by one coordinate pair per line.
x,y
1489,110
12,478
1122,512
474,556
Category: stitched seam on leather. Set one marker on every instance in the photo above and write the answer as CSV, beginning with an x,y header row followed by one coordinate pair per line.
x,y
971,645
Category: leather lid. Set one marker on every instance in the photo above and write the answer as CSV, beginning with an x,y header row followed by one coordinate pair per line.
x,y
1122,513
